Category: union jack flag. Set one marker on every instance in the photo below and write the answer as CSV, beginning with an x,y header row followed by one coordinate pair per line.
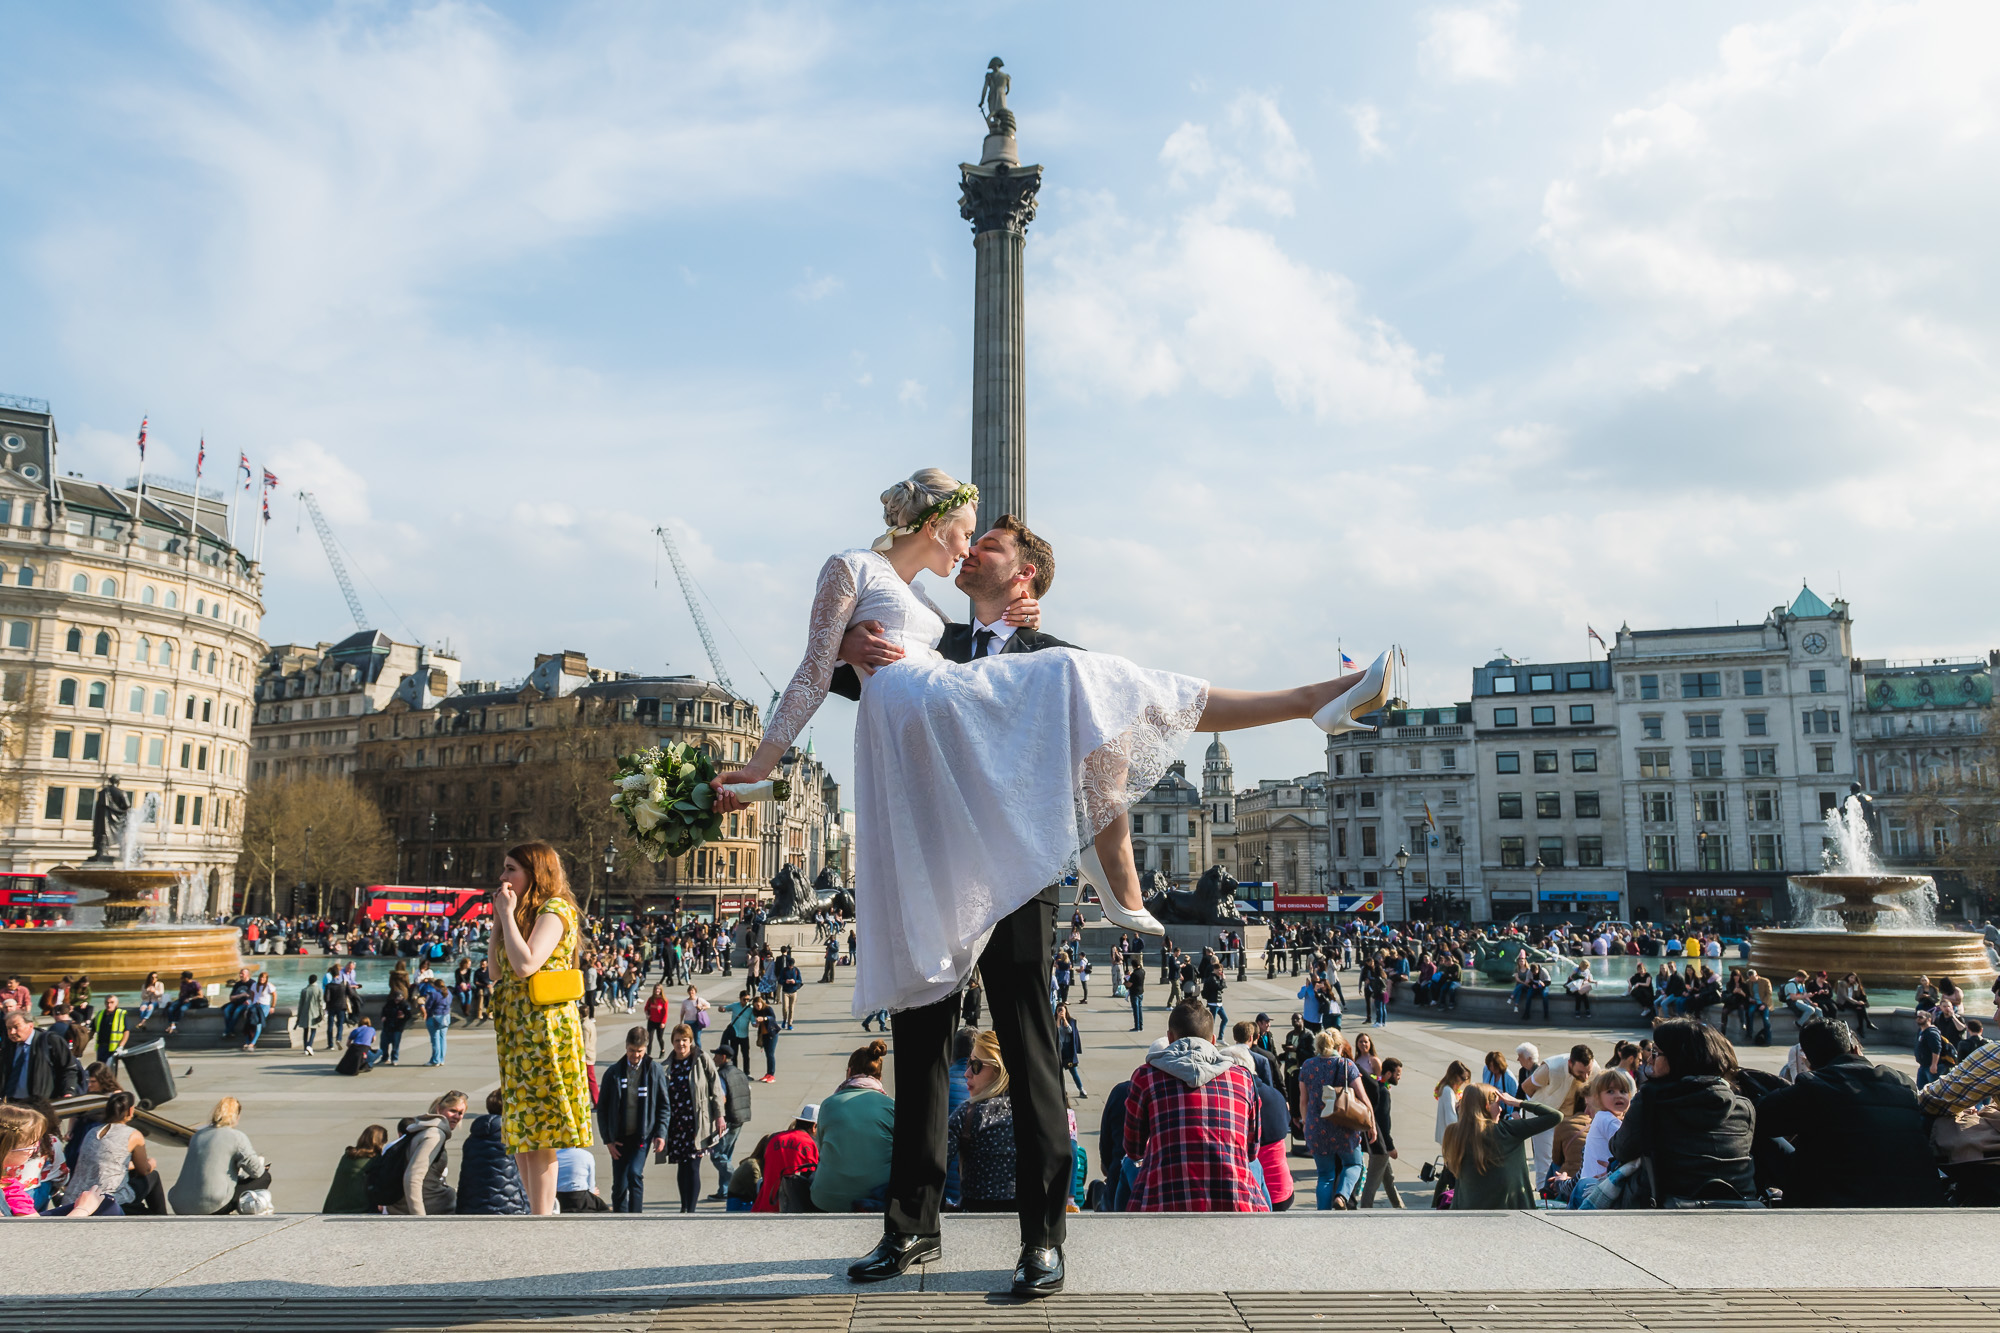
x,y
142,438
270,480
1599,637
200,457
243,466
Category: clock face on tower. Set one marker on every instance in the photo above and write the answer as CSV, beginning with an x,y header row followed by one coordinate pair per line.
x,y
1814,643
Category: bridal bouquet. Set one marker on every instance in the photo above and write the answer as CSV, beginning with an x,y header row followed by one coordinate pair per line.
x,y
667,795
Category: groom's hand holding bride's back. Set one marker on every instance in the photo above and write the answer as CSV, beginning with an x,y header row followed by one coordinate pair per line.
x,y
865,648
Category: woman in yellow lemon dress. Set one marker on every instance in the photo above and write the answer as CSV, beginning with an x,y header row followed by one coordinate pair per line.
x,y
544,1083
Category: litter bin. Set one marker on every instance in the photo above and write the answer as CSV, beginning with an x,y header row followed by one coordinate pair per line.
x,y
152,1078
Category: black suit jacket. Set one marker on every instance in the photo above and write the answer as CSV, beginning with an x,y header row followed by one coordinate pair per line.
x,y
956,646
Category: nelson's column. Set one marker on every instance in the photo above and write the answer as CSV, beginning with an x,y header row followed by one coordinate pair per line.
x,y
998,198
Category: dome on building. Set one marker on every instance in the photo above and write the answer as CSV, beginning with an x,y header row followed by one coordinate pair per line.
x,y
1218,753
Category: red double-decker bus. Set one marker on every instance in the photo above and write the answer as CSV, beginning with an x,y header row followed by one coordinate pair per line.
x,y
381,901
26,899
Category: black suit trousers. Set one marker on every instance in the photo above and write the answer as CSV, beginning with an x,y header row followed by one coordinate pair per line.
x,y
1015,971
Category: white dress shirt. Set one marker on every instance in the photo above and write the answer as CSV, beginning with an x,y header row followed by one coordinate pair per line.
x,y
1001,633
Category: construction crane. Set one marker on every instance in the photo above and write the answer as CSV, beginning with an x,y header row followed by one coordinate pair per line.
x,y
340,566
694,609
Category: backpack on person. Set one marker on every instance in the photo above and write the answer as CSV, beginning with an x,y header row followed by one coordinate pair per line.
x,y
383,1180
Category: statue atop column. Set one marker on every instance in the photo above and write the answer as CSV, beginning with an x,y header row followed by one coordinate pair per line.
x,y
107,823
993,99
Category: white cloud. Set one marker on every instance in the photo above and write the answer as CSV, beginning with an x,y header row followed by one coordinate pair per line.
x,y
1367,121
817,287
1210,302
1473,45
910,394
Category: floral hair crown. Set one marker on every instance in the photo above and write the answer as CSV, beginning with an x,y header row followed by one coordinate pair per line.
x,y
966,494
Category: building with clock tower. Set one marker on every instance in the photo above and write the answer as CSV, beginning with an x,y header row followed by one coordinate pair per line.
x,y
1735,742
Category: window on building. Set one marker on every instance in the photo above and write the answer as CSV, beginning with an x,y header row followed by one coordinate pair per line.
x,y
1583,761
1340,842
1587,805
102,646
52,807
1821,721
132,750
1705,763
1370,879
66,692
1702,725
96,696
1816,680
1509,805
156,752
1712,852
1448,758
60,744
1711,805
1548,805
1579,680
1649,687
1760,761
1661,852
1367,800
1753,683
1655,763
1822,759
1701,684
1507,761
1756,724
93,745
73,641
1514,853
79,583
17,634
1415,760
1763,803
1649,728
1364,762
197,812
159,703
1590,850
1368,840
1582,714
1550,850
1767,851
180,809
1506,717
147,595
1545,761
1503,684
1451,796
1541,683
26,578
1656,807
1899,836
1544,716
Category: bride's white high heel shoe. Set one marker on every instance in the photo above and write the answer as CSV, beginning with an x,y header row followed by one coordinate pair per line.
x,y
1376,689
1090,868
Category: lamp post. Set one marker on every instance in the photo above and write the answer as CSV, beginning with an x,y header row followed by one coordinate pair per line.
x,y
610,864
430,849
306,866
1538,868
1403,879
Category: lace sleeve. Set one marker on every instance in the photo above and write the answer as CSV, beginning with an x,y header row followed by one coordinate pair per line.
x,y
832,608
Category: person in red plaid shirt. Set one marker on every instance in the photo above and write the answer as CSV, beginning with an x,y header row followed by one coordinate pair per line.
x,y
1191,1124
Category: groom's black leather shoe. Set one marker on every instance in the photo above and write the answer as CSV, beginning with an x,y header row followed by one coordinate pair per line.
x,y
1039,1272
893,1257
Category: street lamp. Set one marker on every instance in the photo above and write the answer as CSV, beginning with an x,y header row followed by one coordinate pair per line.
x,y
308,860
1403,878
1538,868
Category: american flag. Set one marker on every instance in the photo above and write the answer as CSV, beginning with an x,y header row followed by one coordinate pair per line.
x,y
142,438
1346,662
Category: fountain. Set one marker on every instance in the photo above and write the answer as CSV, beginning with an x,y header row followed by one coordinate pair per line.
x,y
123,926
1858,918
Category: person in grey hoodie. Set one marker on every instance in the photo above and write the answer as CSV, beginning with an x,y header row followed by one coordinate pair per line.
x,y
312,1010
426,1179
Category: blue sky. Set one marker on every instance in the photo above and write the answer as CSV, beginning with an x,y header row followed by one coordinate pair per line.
x,y
1465,326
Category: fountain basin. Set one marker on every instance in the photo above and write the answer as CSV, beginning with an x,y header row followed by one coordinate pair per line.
x,y
117,955
1879,942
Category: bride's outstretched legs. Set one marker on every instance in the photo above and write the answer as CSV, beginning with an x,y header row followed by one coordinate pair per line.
x,y
1237,710
1114,852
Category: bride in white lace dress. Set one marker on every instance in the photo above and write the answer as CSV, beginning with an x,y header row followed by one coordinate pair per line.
x,y
977,784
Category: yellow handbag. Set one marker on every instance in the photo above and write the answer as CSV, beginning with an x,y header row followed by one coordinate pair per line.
x,y
562,987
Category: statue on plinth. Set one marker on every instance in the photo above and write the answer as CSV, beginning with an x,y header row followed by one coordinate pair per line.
x,y
107,822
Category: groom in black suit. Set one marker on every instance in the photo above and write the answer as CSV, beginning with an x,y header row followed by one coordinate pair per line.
x,y
1005,565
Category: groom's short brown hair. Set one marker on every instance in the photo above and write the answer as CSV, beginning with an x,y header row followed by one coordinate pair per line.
x,y
1033,551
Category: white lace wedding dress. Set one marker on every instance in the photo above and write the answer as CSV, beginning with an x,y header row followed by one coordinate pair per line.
x,y
975,784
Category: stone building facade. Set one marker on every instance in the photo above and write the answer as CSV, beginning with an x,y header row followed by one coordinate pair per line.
x,y
1736,740
311,699
1281,835
128,644
1380,785
1549,793
1218,812
1166,827
465,777
1924,752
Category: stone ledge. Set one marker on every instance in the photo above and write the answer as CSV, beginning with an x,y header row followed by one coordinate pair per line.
x,y
665,1256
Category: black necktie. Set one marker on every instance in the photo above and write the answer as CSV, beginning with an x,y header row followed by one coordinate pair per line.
x,y
980,640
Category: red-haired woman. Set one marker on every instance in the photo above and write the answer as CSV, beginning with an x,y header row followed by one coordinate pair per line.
x,y
544,1083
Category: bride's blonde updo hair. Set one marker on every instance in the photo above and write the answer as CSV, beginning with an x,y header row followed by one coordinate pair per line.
x,y
926,494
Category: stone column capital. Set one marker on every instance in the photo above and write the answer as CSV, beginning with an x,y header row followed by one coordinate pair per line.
x,y
998,197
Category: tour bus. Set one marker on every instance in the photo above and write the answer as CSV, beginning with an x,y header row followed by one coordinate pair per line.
x,y
380,901
26,899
